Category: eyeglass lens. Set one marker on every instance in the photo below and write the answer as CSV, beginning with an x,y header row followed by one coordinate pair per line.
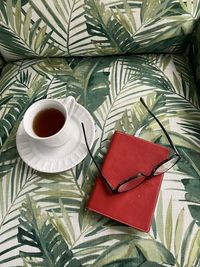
x,y
166,165
131,184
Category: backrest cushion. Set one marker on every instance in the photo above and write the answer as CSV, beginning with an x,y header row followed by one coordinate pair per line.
x,y
43,28
195,53
1,63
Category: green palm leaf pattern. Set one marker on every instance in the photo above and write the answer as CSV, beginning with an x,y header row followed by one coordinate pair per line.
x,y
36,231
17,30
191,185
8,128
77,28
194,52
102,23
10,205
69,16
67,189
43,217
24,180
182,241
110,89
23,90
1,63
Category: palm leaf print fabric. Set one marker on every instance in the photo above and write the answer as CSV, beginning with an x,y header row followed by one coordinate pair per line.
x,y
59,28
57,48
43,217
1,62
195,52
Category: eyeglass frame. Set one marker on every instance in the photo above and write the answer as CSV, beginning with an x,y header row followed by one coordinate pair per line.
x,y
124,181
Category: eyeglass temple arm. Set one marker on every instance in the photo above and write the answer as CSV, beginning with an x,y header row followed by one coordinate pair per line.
x,y
109,185
162,127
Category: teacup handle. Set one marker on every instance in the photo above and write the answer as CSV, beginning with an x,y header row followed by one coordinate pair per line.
x,y
69,102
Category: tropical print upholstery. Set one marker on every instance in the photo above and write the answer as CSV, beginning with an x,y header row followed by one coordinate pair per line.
x,y
1,62
43,219
195,53
45,28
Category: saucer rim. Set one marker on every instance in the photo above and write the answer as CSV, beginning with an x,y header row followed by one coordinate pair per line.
x,y
23,157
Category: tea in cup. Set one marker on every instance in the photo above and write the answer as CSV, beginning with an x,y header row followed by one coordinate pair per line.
x,y
47,121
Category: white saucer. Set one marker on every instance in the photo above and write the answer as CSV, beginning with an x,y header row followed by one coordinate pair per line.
x,y
58,159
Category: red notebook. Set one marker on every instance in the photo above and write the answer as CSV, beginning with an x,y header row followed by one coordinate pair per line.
x,y
127,156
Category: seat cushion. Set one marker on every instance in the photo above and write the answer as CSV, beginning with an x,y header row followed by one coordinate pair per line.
x,y
70,28
43,218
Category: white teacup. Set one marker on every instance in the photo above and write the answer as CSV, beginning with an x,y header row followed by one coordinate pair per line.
x,y
59,137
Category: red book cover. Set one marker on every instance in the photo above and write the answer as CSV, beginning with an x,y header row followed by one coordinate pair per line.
x,y
127,156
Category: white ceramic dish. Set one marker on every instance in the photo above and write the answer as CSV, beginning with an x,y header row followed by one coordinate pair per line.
x,y
58,159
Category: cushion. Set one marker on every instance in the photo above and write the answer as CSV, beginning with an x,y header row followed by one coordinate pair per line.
x,y
195,52
66,28
43,219
1,62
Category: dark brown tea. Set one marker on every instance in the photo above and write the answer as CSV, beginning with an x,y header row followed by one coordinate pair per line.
x,y
48,122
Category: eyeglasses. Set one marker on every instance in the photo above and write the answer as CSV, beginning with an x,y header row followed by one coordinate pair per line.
x,y
133,181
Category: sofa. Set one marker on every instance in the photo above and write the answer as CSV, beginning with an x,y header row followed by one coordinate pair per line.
x,y
107,54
